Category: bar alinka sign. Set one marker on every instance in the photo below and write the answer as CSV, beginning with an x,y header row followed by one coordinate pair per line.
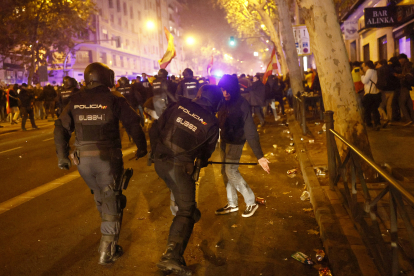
x,y
380,17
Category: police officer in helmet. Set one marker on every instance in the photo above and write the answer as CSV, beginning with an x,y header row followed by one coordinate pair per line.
x,y
189,86
69,88
94,114
185,131
125,90
163,95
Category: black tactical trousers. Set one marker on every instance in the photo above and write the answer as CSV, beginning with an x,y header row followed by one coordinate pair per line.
x,y
27,112
100,172
179,180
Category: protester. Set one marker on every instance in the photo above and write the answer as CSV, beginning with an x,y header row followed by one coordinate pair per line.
x,y
257,98
386,84
407,81
237,126
26,97
372,97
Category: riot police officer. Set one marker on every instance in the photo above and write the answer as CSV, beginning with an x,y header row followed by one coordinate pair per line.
x,y
185,131
162,92
189,86
126,90
69,88
94,114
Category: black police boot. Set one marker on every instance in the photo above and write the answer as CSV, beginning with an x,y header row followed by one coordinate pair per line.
x,y
171,261
109,251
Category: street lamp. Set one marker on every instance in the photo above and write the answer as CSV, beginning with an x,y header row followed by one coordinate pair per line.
x,y
190,40
150,25
256,54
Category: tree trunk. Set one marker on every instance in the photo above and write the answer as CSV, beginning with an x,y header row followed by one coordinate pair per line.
x,y
32,66
292,59
334,71
281,55
274,36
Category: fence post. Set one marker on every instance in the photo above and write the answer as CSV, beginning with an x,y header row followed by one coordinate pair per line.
x,y
303,116
329,121
294,108
320,108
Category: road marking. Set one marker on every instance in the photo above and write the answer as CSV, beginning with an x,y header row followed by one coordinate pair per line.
x,y
29,195
48,139
10,150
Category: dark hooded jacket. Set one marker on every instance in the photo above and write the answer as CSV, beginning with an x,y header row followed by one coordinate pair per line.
x,y
235,118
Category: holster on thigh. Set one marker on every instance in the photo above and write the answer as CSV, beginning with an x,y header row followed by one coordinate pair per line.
x,y
113,204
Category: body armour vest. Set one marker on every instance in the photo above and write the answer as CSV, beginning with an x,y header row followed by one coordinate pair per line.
x,y
65,96
187,127
95,123
190,88
127,93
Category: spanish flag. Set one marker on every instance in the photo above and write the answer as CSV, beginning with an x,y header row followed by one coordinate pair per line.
x,y
170,53
272,65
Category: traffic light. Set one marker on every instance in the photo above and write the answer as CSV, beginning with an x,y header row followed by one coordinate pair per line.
x,y
232,41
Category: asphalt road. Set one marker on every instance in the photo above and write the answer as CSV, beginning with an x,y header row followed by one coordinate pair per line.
x,y
57,232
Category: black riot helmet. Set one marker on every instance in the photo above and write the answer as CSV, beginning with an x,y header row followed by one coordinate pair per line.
x,y
97,74
162,73
209,96
69,82
188,73
123,81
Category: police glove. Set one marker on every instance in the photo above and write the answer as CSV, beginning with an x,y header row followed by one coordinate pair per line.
x,y
140,153
64,163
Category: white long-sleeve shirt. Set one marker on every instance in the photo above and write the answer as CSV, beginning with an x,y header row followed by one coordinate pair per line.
x,y
368,79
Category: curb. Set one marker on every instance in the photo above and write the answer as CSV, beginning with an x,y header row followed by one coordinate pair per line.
x,y
341,256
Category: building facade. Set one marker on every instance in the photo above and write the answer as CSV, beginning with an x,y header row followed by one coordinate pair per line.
x,y
128,36
389,32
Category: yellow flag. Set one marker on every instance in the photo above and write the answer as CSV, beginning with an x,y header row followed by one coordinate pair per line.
x,y
170,53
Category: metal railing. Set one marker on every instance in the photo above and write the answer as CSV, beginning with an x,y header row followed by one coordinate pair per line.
x,y
300,112
385,253
300,107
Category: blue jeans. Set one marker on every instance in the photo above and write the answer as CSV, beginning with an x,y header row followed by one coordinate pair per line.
x,y
232,178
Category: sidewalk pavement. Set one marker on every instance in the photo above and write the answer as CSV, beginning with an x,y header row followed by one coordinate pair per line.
x,y
7,127
390,146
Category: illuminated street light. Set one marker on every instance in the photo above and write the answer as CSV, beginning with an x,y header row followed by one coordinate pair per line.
x,y
150,25
263,26
256,54
267,41
190,40
267,49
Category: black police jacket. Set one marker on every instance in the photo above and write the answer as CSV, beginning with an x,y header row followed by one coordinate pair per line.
x,y
183,132
26,98
95,114
64,95
49,93
128,93
188,88
237,126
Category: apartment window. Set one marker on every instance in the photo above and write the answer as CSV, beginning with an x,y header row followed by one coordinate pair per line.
x,y
128,63
122,61
112,18
102,57
125,9
118,5
84,56
111,4
382,48
105,34
114,59
131,13
126,24
119,22
127,43
366,52
353,48
100,12
139,15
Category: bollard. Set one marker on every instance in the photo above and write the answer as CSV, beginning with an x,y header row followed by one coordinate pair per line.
x,y
329,121
303,114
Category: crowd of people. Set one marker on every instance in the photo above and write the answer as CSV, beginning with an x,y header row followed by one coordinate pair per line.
x,y
383,90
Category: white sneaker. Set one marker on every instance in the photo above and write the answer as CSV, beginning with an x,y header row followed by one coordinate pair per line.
x,y
250,210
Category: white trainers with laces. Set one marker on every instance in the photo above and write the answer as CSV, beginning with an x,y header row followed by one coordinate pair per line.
x,y
250,210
